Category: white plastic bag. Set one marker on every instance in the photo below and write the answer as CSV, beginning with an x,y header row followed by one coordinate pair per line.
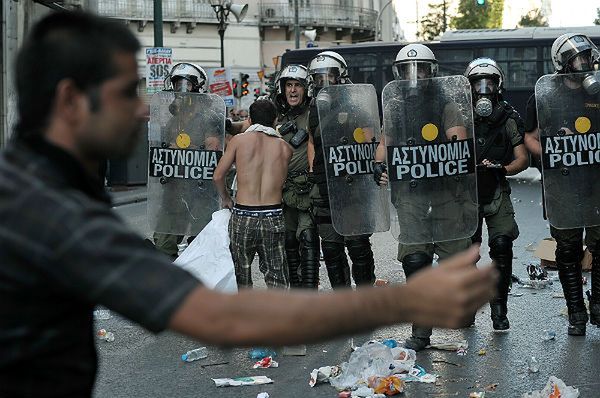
x,y
208,257
554,388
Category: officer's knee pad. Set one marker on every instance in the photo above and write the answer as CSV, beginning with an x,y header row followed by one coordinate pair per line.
x,y
415,262
331,247
501,246
568,254
309,236
358,243
290,240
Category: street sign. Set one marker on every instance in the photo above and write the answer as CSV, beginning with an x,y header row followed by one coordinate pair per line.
x,y
159,61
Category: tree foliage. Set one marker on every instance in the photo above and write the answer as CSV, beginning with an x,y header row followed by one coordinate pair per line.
x,y
597,20
473,16
533,18
435,22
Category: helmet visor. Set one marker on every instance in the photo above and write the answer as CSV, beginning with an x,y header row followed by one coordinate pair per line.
x,y
485,86
413,70
182,85
324,77
582,62
572,47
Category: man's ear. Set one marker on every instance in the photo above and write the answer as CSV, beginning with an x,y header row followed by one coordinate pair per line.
x,y
250,121
69,101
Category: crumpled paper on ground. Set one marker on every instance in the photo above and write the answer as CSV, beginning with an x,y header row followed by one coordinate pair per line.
x,y
418,374
265,363
449,345
323,374
555,388
208,257
242,381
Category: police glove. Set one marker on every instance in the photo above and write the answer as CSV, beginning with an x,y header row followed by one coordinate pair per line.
x,y
378,169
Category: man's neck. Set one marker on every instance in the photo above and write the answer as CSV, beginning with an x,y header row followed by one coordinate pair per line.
x,y
56,136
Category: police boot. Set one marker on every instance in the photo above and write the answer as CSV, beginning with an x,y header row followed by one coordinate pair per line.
x,y
309,258
568,262
363,263
595,299
293,258
501,253
334,255
412,263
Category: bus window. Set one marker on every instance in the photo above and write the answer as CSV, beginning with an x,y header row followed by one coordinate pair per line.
x,y
362,68
452,68
521,74
454,55
387,60
548,66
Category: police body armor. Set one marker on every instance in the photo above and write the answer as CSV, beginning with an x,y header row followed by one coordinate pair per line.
x,y
293,126
186,136
494,144
569,124
349,132
431,175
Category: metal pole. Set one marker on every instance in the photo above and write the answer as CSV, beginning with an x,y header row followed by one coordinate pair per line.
x,y
158,24
444,26
296,24
222,35
378,21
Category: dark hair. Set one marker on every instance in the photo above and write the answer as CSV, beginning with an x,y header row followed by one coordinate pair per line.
x,y
263,112
73,45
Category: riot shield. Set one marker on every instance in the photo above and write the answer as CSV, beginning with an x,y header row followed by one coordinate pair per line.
x,y
428,133
186,136
349,123
569,126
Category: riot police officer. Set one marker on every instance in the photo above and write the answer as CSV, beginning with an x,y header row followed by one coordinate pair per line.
x,y
330,68
568,103
500,152
301,238
184,77
416,62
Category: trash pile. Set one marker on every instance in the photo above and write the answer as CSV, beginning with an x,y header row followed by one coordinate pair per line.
x,y
373,370
555,388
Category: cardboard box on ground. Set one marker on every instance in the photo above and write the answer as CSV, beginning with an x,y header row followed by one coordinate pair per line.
x,y
546,253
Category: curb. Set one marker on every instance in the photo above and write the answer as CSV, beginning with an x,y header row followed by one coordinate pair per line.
x,y
129,200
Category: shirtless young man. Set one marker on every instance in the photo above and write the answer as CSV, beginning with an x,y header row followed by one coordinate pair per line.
x,y
261,157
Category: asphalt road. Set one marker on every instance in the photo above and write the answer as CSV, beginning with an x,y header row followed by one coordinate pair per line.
x,y
140,364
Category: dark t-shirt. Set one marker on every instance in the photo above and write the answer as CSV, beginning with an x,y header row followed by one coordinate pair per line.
x,y
63,251
531,121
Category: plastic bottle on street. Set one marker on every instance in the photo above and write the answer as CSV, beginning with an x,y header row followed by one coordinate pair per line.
x,y
194,355
102,315
260,353
548,335
533,365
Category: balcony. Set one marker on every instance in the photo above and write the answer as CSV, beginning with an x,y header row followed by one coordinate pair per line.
x,y
319,15
184,11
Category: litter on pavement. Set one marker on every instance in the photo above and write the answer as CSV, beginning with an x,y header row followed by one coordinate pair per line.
x,y
242,381
265,363
555,388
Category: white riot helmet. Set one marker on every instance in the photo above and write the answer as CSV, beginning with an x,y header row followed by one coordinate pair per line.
x,y
576,53
487,82
292,72
413,62
183,73
573,52
485,75
327,68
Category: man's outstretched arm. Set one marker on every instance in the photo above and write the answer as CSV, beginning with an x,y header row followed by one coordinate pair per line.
x,y
444,296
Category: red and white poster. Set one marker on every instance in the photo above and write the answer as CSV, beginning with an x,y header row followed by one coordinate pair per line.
x,y
219,82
